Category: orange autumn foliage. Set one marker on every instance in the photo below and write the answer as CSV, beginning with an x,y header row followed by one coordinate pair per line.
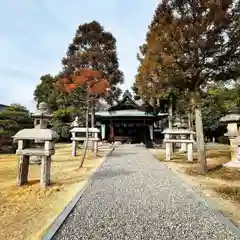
x,y
100,87
79,80
89,73
93,79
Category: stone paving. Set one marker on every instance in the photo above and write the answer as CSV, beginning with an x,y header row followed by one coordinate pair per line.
x,y
134,196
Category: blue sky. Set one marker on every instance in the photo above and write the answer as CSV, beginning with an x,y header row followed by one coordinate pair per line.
x,y
35,34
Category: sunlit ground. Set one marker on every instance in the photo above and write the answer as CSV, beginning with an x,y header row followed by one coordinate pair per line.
x,y
26,211
221,184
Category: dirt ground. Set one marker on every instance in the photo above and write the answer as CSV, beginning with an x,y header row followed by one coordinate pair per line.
x,y
221,185
27,211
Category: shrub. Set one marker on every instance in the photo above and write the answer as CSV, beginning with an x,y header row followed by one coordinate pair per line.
x,y
223,140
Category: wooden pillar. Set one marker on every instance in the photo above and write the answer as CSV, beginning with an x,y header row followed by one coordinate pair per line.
x,y
144,132
151,131
45,171
23,167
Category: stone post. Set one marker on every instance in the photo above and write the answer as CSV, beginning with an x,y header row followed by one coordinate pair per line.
x,y
23,167
45,171
75,124
103,130
233,148
151,131
191,137
23,164
95,143
190,152
168,148
183,145
74,145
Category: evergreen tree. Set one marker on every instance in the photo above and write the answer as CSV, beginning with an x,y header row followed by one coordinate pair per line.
x,y
194,43
95,48
12,119
46,92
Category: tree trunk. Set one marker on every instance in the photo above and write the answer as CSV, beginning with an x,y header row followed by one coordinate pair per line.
x,y
93,112
93,118
87,136
170,121
190,120
199,134
170,114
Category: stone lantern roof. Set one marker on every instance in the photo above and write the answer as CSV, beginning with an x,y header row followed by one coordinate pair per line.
x,y
42,111
232,116
36,134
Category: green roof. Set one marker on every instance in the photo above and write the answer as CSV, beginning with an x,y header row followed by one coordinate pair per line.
x,y
127,113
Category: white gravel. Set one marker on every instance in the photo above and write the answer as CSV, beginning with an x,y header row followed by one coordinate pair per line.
x,y
134,196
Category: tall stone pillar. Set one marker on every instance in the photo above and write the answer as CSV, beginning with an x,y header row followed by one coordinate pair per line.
x,y
103,131
151,131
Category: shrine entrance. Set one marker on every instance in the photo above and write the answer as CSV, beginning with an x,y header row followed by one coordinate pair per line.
x,y
129,132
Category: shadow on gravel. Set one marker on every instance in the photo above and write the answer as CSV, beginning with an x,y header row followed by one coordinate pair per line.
x,y
111,174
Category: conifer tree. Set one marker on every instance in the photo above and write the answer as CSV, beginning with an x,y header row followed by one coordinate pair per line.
x,y
190,44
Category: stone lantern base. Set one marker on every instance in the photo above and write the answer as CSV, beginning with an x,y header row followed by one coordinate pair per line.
x,y
235,153
232,164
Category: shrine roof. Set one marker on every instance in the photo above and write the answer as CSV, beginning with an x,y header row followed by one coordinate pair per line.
x,y
127,113
127,101
127,107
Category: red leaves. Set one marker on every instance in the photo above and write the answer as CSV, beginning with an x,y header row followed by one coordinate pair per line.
x,y
89,77
69,87
100,87
79,80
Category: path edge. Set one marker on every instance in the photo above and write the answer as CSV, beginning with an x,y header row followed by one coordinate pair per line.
x,y
202,198
58,221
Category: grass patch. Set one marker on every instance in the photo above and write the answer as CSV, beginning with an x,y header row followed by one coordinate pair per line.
x,y
229,192
215,160
28,210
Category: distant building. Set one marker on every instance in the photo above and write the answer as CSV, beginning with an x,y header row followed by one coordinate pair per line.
x,y
2,107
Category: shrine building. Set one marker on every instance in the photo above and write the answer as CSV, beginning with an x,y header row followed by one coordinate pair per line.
x,y
128,121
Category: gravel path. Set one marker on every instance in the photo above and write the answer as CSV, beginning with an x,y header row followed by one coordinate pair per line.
x,y
134,196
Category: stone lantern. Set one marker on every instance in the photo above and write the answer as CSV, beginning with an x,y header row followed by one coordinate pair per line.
x,y
171,137
75,123
41,118
232,119
181,125
27,148
79,135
